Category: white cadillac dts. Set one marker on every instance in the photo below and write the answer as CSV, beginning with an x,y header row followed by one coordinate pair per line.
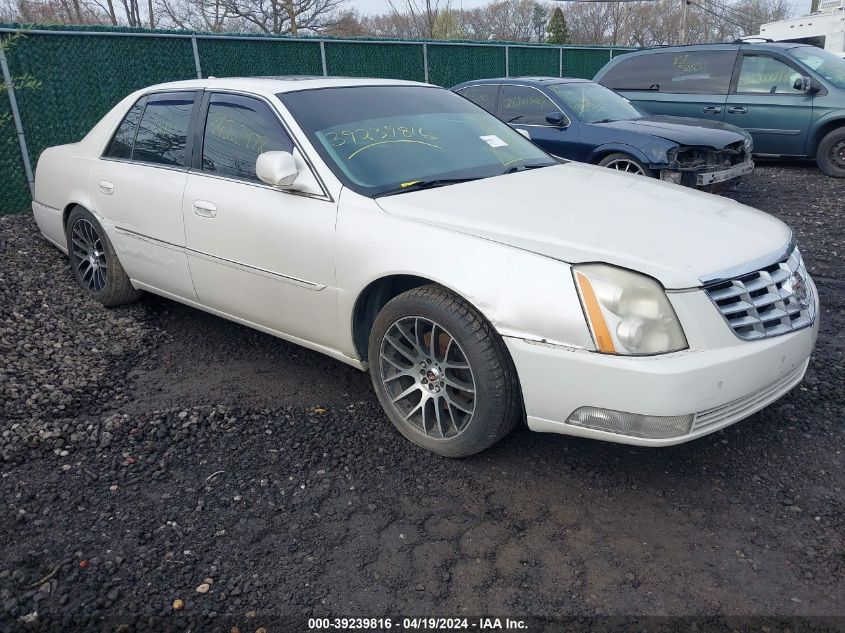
x,y
400,228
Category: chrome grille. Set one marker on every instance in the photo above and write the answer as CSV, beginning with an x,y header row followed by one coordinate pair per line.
x,y
773,300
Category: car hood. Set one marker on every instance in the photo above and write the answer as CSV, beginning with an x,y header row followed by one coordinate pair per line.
x,y
581,213
682,130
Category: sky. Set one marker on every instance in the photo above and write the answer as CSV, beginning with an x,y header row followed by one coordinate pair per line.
x,y
799,7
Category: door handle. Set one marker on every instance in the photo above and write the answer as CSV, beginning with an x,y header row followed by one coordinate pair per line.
x,y
712,110
737,110
204,209
105,187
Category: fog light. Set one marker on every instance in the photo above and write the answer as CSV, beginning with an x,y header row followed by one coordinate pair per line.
x,y
647,426
671,176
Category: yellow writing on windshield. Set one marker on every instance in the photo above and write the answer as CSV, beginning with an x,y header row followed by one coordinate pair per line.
x,y
370,135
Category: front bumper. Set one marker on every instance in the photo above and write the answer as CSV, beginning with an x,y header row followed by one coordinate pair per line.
x,y
720,386
723,175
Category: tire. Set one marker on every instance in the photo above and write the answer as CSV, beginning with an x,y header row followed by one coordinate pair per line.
x,y
626,163
830,154
94,263
445,418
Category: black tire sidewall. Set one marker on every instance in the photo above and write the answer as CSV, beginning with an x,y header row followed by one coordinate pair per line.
x,y
81,213
823,159
488,404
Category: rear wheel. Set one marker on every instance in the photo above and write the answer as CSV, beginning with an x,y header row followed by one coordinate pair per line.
x,y
625,162
442,373
830,154
94,263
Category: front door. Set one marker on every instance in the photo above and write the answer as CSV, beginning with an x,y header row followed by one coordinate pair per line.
x,y
765,103
256,252
525,108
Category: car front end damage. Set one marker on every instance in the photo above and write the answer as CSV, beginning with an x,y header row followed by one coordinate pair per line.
x,y
703,167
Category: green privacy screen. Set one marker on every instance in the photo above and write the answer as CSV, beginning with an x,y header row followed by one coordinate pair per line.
x,y
83,71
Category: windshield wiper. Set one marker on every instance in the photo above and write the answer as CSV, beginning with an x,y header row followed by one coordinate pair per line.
x,y
516,168
605,121
417,185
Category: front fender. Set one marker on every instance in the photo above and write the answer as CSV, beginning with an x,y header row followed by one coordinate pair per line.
x,y
658,156
520,293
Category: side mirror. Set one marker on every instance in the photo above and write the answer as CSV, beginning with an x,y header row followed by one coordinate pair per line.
x,y
276,168
554,118
807,84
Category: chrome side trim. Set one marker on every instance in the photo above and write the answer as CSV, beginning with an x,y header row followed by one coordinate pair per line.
x,y
750,267
310,285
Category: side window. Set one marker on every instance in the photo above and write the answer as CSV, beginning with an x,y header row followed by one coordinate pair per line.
x,y
163,133
693,72
237,130
766,75
484,96
525,106
124,137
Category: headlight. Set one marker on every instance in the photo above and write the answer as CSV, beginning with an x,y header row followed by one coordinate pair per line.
x,y
749,144
628,313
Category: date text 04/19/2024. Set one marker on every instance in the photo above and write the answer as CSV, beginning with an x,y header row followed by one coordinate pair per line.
x,y
416,624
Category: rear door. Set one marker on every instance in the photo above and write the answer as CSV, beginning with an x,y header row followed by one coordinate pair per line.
x,y
691,83
137,188
764,102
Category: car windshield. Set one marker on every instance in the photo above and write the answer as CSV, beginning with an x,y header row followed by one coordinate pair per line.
x,y
388,139
825,63
593,103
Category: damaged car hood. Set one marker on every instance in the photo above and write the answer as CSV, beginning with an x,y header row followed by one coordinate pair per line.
x,y
681,130
580,213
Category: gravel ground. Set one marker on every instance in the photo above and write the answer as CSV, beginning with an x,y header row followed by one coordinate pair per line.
x,y
155,453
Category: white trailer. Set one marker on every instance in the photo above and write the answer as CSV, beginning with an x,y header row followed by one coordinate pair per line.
x,y
825,29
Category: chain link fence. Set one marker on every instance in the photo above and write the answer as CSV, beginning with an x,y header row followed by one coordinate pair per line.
x,y
83,71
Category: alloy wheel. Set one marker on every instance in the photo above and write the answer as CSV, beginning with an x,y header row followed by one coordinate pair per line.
x,y
628,166
427,377
837,154
88,255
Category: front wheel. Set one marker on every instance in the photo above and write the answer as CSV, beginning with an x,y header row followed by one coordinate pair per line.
x,y
442,373
624,162
94,263
830,154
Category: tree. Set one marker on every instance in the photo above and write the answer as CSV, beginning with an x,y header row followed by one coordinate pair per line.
x,y
538,19
287,17
558,29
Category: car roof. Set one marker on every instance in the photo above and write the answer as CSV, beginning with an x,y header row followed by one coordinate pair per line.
x,y
531,81
276,85
773,46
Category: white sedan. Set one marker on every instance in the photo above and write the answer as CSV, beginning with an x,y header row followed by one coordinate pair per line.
x,y
400,228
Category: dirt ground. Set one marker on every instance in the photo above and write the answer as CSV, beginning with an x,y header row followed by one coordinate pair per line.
x,y
148,450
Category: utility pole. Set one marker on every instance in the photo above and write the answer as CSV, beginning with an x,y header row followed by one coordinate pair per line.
x,y
684,21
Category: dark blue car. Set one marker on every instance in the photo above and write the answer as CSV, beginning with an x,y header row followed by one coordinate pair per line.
x,y
580,120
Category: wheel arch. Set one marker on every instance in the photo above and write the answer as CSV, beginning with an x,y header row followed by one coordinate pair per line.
x,y
823,130
617,148
378,292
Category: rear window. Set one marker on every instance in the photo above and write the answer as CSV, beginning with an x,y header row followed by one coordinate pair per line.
x,y
163,133
121,143
693,72
481,95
